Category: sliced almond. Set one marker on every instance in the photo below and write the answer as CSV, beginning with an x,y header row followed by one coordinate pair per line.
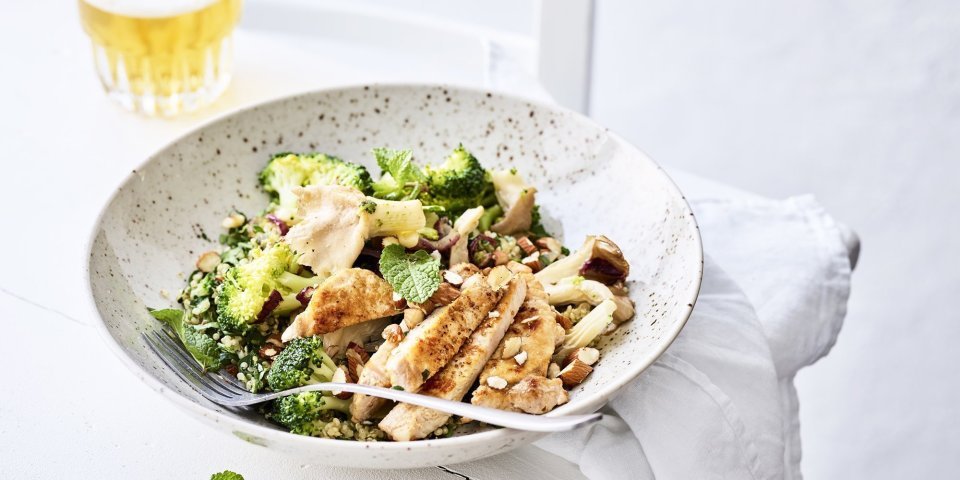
x,y
340,376
553,370
521,358
356,358
452,277
564,322
511,347
551,248
493,314
586,355
530,319
533,261
574,373
445,295
526,245
208,261
497,382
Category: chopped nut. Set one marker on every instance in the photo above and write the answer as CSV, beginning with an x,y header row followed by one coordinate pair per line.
x,y
340,376
392,333
452,277
208,261
574,373
521,358
552,247
586,355
397,297
465,420
356,358
493,314
500,257
269,351
412,317
234,220
526,245
553,370
564,322
530,319
445,295
533,261
435,254
511,347
496,382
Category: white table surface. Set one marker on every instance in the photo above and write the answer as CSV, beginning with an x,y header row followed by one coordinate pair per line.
x,y
71,410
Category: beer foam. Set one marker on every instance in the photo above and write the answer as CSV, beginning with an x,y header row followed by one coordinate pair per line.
x,y
149,8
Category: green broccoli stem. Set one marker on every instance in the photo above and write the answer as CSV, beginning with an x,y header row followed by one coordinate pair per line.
x,y
489,216
287,305
296,283
394,217
337,404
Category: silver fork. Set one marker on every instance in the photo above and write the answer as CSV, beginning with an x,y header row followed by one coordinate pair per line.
x,y
226,390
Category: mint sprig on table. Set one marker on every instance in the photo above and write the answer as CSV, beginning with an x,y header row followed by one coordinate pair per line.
x,y
226,475
415,276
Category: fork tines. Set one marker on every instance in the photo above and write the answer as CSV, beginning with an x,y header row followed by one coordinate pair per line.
x,y
215,387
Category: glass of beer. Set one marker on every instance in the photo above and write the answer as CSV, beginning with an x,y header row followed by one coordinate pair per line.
x,y
162,57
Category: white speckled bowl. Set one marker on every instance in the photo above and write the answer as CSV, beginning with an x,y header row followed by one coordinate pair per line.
x,y
589,181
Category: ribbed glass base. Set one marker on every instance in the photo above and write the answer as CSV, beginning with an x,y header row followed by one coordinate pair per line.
x,y
165,84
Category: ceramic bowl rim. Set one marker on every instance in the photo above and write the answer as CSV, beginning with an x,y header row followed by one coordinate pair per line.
x,y
603,393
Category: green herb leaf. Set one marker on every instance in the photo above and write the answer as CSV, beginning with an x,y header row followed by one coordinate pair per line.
x,y
202,347
226,475
402,179
414,276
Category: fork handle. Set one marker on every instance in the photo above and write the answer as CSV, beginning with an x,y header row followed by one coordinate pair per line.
x,y
493,416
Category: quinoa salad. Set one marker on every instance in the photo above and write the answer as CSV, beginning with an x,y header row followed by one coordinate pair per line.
x,y
438,279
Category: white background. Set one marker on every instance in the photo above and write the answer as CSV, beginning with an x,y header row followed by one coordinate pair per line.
x,y
857,102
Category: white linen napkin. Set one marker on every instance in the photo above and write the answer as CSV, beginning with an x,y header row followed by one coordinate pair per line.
x,y
720,403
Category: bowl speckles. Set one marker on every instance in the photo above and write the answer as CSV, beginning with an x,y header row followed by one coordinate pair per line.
x,y
589,181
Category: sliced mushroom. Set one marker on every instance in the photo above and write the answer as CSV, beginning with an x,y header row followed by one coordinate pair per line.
x,y
597,259
517,199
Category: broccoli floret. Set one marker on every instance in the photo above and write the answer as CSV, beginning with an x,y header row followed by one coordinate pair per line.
x,y
288,170
307,413
302,362
247,287
458,184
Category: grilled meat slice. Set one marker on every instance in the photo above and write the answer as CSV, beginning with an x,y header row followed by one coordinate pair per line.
x,y
435,341
410,422
349,297
536,328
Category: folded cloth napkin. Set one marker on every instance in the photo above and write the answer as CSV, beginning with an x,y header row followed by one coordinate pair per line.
x,y
720,402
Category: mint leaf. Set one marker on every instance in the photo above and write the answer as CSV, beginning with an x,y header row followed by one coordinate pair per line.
x,y
415,276
202,347
402,179
226,475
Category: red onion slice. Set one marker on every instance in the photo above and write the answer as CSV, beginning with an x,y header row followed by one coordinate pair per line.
x,y
284,228
270,305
